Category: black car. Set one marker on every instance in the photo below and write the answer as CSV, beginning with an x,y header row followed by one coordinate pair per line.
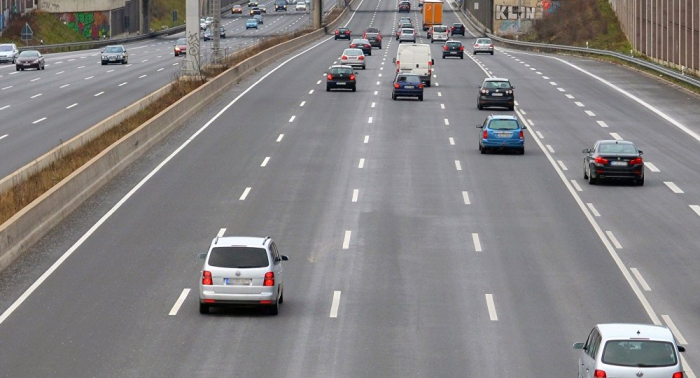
x,y
457,28
373,36
343,33
281,5
496,92
341,77
405,6
363,45
453,48
613,159
407,85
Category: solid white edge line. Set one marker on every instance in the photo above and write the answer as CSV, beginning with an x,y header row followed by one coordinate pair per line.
x,y
245,194
613,239
465,197
346,239
221,233
592,209
335,304
596,227
676,332
178,303
477,242
491,306
641,279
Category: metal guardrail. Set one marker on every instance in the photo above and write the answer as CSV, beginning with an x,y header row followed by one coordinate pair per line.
x,y
544,46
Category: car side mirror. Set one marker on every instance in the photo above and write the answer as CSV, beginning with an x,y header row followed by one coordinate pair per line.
x,y
393,60
681,348
284,258
512,87
479,126
202,256
578,345
524,127
586,151
640,152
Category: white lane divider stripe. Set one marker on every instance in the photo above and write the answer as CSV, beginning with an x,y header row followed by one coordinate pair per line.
x,y
71,106
373,104
641,280
676,332
369,120
673,187
221,233
178,303
551,150
38,120
36,95
477,242
279,138
442,106
569,96
366,139
264,163
346,239
491,307
561,164
311,91
335,304
355,194
651,167
292,119
452,141
245,194
362,163
4,136
98,94
465,197
5,107
447,122
539,135
613,239
602,124
695,208
590,113
318,82
458,165
579,104
616,136
593,210
123,84
302,103
576,186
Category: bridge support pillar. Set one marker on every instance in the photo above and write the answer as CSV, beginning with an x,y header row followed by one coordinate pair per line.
x,y
144,15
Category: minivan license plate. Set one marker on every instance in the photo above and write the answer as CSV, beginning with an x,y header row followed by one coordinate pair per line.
x,y
238,281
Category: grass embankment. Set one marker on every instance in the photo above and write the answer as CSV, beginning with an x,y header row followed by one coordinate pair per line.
x,y
15,199
581,21
45,26
162,13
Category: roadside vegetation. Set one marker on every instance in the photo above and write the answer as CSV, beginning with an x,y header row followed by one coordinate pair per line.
x,y
581,21
162,13
45,26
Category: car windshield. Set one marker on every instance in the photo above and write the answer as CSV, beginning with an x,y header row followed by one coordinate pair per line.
x,y
6,48
238,257
181,41
343,71
440,29
113,49
29,54
483,41
639,353
408,79
497,84
503,124
616,148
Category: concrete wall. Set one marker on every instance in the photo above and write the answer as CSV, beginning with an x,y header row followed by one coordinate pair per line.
x,y
506,17
70,6
667,31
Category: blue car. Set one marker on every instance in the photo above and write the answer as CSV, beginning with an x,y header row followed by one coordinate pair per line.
x,y
407,85
251,23
502,132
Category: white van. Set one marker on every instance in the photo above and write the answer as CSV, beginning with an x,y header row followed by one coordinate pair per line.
x,y
415,58
438,33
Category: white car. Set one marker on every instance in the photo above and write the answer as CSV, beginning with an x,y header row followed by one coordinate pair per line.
x,y
8,52
300,6
353,58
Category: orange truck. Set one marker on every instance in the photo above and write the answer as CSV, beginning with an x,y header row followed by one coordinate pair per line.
x,y
432,13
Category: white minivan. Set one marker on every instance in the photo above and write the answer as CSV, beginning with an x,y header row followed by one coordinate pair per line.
x,y
439,33
415,58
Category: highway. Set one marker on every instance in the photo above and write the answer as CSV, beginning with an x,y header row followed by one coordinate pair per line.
x,y
42,109
411,254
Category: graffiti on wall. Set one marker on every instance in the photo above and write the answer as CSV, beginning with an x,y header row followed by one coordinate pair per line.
x,y
549,7
513,12
93,25
49,7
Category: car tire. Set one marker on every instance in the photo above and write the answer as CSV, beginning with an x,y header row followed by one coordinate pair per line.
x,y
420,98
482,149
328,88
585,174
427,83
491,52
274,309
511,107
104,63
282,297
203,308
521,151
592,180
479,106
17,68
393,96
640,182
461,56
354,89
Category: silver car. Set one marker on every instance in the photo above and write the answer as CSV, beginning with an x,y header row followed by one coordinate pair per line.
x,y
353,57
242,271
630,351
483,45
407,35
8,53
114,54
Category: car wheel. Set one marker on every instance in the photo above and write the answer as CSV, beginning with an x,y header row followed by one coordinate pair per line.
x,y
461,56
591,180
521,151
282,297
203,308
511,107
585,174
328,88
104,63
640,182
17,68
482,149
275,308
443,57
491,52
479,106
420,98
427,83
393,96
354,88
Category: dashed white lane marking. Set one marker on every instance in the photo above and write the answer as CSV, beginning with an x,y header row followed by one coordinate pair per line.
x,y
529,121
695,208
579,104
616,136
477,242
437,84
366,139
651,166
377,83
522,111
539,135
98,94
81,67
38,120
346,239
221,233
376,92
160,69
362,163
33,80
442,106
439,94
545,77
302,103
335,303
561,89
553,83
5,107
71,106
279,138
465,197
447,122
63,86
318,82
142,76
311,91
593,210
590,113
452,141
6,88
4,136
123,84
178,303
673,187
539,73
576,186
569,96
36,95
613,239
676,332
110,71
369,120
551,150
355,194
602,123
144,61
175,64
264,163
491,307
245,194
641,280
458,165
561,164
89,77
292,119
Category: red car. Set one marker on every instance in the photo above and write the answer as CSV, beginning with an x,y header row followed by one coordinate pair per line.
x,y
180,47
342,33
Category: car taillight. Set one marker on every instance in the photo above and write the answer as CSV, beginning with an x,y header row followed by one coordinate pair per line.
x,y
337,32
344,57
476,46
599,374
352,77
601,160
485,135
269,279
636,161
379,38
461,48
368,46
491,46
420,85
353,45
362,57
206,278
330,77
678,374
522,135
444,47
396,85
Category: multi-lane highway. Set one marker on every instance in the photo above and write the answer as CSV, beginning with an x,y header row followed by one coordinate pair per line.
x,y
41,109
411,254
